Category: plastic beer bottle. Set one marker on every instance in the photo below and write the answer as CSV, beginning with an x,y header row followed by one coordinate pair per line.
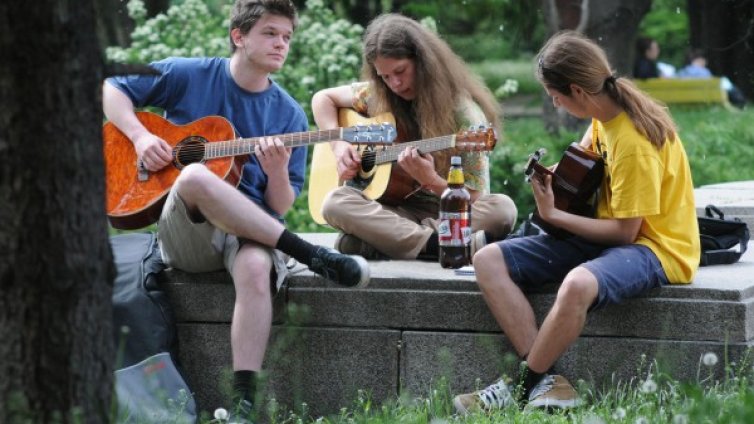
x,y
454,231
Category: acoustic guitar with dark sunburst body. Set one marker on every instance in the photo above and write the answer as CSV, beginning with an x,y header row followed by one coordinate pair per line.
x,y
575,181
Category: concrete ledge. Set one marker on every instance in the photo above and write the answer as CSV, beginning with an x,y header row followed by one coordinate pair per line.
x,y
417,322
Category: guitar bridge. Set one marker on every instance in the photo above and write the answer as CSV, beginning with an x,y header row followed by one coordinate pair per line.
x,y
141,172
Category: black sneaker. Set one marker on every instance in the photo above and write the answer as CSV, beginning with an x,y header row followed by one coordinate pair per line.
x,y
346,270
352,245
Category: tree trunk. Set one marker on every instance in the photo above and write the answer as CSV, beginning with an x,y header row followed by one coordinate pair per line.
x,y
56,267
611,23
724,29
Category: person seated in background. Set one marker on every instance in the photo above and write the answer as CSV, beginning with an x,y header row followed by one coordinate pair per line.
x,y
696,67
646,64
409,71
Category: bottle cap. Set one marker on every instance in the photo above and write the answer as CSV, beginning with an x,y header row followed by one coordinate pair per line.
x,y
455,161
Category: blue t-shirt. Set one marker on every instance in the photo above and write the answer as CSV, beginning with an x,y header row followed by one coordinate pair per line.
x,y
192,88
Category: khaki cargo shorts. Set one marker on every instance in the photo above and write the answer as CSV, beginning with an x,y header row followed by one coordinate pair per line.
x,y
201,247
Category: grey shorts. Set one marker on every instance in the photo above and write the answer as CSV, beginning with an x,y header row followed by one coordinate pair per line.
x,y
622,272
201,247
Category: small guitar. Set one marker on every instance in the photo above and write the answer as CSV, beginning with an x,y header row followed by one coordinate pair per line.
x,y
135,196
574,182
377,178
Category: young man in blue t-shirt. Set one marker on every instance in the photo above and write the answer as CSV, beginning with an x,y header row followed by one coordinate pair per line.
x,y
207,224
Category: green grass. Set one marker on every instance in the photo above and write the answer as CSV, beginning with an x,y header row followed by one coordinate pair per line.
x,y
651,397
495,72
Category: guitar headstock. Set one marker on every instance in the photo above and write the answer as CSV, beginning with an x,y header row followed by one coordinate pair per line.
x,y
481,138
534,159
375,134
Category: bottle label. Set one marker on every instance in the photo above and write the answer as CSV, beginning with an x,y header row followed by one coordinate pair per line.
x,y
453,229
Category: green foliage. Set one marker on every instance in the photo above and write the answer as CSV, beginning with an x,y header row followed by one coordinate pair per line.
x,y
325,50
482,30
495,73
668,23
723,393
718,142
188,29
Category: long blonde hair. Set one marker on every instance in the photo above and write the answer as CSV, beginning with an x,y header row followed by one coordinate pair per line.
x,y
441,79
571,58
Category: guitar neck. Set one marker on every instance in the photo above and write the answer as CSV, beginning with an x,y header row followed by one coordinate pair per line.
x,y
390,153
245,146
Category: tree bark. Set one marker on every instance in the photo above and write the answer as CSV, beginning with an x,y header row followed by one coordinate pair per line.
x,y
56,267
724,29
114,26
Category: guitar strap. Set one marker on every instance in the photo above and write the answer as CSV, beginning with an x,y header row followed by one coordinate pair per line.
x,y
595,136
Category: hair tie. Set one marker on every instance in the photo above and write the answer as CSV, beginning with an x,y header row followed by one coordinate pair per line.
x,y
611,79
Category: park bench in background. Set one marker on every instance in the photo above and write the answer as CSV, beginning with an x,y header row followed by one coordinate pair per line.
x,y
685,90
417,322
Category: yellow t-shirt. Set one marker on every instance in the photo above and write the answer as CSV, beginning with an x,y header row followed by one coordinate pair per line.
x,y
642,181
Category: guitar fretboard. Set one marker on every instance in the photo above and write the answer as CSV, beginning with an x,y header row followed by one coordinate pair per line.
x,y
242,146
390,153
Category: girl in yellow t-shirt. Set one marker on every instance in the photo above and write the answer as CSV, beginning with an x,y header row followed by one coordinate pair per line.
x,y
644,235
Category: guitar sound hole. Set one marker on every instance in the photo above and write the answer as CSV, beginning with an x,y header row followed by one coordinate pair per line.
x,y
189,150
367,161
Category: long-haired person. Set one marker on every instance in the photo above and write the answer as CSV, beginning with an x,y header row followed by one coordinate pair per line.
x,y
409,71
644,234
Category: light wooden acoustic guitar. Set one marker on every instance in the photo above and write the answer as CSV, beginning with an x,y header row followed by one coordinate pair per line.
x,y
135,196
574,183
378,179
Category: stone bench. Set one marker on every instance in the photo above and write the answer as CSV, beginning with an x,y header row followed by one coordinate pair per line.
x,y
417,322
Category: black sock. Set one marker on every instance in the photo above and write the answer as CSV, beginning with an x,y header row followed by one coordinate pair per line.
x,y
298,248
244,386
531,378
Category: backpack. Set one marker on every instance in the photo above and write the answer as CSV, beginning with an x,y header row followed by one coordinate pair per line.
x,y
719,237
149,386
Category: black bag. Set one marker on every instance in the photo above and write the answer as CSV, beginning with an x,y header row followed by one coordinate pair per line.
x,y
138,302
719,237
149,387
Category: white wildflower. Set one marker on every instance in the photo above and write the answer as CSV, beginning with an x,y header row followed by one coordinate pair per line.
x,y
680,419
641,420
709,359
649,386
221,414
593,419
619,414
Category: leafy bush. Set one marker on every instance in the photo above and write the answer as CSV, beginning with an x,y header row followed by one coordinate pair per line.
x,y
325,50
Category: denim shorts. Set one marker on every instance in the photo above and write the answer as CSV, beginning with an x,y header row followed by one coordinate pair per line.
x,y
622,272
